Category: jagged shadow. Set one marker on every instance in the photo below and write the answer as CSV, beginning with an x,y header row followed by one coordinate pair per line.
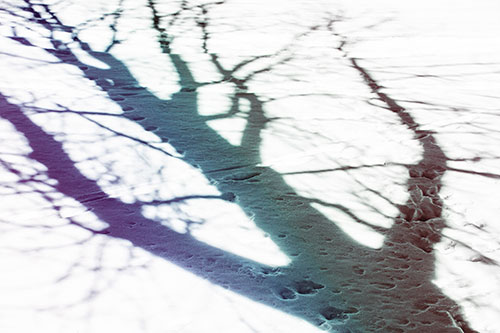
x,y
331,277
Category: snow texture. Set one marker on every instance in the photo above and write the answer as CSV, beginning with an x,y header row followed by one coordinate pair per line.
x,y
249,166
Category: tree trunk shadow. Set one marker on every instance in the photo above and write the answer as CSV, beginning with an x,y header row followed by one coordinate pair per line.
x,y
331,279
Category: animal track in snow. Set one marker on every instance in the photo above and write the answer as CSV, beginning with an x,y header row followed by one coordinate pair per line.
x,y
307,287
333,313
287,294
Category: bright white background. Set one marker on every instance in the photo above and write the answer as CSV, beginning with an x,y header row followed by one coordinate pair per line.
x,y
441,58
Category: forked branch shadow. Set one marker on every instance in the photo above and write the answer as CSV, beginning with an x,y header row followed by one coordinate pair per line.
x,y
331,279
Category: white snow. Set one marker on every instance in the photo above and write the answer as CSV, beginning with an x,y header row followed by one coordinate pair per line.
x,y
329,136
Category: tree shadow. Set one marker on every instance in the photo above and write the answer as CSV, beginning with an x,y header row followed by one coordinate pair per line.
x,y
332,281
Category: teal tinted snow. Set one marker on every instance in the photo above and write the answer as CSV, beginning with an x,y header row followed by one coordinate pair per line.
x,y
249,166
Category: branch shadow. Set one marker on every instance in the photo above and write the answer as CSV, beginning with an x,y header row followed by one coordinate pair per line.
x,y
332,281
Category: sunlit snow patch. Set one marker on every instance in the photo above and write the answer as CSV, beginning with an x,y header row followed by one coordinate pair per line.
x,y
220,224
230,129
347,162
363,234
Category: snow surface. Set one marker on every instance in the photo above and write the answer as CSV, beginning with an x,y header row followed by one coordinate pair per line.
x,y
196,166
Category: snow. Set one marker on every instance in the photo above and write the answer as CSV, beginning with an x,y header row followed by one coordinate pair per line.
x,y
258,141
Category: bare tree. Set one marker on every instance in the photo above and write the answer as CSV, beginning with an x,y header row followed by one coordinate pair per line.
x,y
332,281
